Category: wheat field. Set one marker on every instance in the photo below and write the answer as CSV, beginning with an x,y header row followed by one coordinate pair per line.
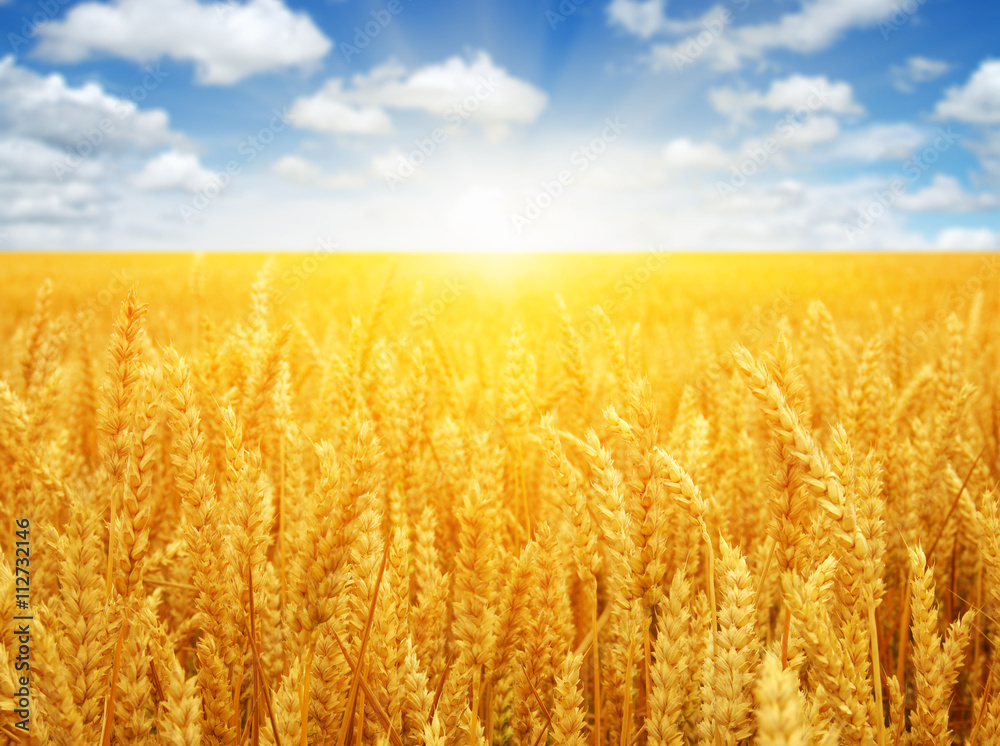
x,y
637,499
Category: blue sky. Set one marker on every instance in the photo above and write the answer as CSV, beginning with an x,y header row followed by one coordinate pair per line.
x,y
479,125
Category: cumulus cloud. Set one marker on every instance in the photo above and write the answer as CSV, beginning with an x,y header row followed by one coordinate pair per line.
x,y
978,101
816,130
455,89
646,18
893,141
46,108
946,194
916,70
327,111
782,141
23,159
65,150
640,18
172,170
793,93
815,26
227,41
42,202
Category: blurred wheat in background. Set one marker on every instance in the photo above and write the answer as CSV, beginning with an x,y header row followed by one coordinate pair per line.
x,y
536,500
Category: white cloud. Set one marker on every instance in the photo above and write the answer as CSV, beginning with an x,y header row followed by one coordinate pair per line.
x,y
634,196
946,194
640,18
794,93
817,25
43,202
297,170
646,18
66,152
916,70
817,130
464,203
23,159
455,89
978,101
46,108
895,141
791,135
968,238
683,152
326,111
227,42
172,170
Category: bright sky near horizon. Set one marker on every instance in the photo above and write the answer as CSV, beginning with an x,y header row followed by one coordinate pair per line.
x,y
499,124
